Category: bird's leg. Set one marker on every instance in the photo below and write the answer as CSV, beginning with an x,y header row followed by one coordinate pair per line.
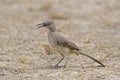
x,y
59,62
65,62
49,60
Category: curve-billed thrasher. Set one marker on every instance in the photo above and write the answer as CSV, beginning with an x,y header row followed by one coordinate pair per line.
x,y
60,44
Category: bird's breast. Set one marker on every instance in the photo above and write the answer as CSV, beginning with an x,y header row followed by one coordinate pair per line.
x,y
52,39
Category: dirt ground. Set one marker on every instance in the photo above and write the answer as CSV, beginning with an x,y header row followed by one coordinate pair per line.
x,y
94,25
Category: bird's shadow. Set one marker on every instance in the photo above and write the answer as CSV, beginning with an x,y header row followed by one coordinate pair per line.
x,y
85,67
63,67
53,67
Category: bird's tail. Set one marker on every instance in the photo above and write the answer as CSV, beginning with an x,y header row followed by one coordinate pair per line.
x,y
102,65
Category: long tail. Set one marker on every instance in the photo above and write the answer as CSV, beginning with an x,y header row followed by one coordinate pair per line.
x,y
102,65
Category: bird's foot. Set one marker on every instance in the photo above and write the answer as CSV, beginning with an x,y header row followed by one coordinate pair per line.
x,y
56,66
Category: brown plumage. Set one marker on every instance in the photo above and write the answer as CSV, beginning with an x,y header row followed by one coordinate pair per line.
x,y
60,44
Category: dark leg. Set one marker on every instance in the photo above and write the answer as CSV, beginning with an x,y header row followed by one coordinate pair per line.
x,y
59,61
65,62
49,59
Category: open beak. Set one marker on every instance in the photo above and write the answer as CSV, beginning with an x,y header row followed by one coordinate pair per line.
x,y
40,25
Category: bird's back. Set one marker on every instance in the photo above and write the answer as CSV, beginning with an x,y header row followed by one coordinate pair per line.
x,y
56,39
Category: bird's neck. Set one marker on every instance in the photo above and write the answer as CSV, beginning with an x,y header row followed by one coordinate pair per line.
x,y
52,28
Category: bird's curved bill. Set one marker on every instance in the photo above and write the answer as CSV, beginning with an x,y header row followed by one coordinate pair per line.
x,y
40,25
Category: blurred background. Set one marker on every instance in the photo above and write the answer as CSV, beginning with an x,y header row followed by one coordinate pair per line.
x,y
94,25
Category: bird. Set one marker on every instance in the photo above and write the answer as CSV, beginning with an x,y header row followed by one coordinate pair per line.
x,y
61,44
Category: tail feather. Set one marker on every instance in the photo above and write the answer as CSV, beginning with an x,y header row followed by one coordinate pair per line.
x,y
102,65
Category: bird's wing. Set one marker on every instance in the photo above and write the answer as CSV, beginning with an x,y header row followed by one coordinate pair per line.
x,y
62,41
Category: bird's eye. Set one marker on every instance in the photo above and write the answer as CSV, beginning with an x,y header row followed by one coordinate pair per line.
x,y
44,24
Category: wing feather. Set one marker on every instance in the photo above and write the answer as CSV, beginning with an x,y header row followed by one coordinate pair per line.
x,y
62,41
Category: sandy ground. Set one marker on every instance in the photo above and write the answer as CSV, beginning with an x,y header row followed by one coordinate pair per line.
x,y
94,25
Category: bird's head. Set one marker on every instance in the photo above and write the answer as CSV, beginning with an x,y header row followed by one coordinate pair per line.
x,y
46,24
